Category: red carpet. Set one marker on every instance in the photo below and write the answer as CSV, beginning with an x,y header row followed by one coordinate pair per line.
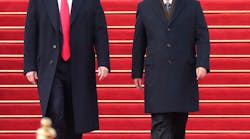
x,y
134,136
123,63
224,94
127,34
128,5
129,19
126,49
125,78
131,108
137,124
125,94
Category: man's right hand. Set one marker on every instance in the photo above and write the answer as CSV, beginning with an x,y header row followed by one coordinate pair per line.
x,y
32,77
138,83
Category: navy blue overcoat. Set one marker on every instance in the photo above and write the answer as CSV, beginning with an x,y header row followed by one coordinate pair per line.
x,y
173,48
42,43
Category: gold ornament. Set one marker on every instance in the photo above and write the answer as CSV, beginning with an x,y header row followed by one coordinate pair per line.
x,y
46,131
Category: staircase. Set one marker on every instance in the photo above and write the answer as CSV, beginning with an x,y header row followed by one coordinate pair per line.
x,y
224,94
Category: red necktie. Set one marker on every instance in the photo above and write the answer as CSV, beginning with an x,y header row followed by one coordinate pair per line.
x,y
65,21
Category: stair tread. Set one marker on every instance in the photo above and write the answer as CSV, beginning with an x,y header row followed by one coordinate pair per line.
x,y
127,34
129,19
125,63
131,94
136,123
128,5
135,136
126,49
125,78
133,109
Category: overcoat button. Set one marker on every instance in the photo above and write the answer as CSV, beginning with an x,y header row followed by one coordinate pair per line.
x,y
54,46
51,62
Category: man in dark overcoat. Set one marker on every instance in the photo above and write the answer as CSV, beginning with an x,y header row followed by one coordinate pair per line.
x,y
61,40
174,36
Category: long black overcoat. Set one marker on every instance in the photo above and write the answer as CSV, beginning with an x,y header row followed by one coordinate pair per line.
x,y
42,43
173,48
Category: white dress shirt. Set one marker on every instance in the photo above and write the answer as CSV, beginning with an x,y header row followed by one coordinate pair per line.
x,y
69,3
166,1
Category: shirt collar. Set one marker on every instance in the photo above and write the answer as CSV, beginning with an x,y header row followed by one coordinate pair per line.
x,y
165,1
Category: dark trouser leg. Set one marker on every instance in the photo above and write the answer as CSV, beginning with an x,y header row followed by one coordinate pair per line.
x,y
69,117
56,108
60,108
180,121
168,126
162,126
70,128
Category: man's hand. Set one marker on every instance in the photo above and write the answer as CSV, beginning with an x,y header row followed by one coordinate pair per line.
x,y
102,72
200,73
138,82
32,77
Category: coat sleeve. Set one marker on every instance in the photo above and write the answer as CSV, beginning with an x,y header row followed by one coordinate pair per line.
x,y
139,46
202,39
31,38
101,37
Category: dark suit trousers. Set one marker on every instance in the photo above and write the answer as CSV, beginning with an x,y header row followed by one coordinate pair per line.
x,y
60,108
169,125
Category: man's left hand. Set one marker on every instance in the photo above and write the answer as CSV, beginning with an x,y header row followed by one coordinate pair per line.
x,y
102,72
200,73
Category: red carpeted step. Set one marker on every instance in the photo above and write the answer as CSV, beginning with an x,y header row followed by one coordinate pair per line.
x,y
129,19
11,49
128,5
125,63
131,94
14,34
147,136
111,5
13,5
135,136
17,136
212,19
225,4
126,49
127,34
230,48
228,19
205,108
125,78
136,123
19,123
215,34
216,63
132,109
12,20
224,93
226,78
18,94
20,109
229,34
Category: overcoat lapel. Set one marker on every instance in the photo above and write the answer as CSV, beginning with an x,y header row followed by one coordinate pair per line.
x,y
158,9
75,7
53,12
179,6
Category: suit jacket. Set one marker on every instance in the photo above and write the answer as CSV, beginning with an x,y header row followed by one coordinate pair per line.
x,y
42,43
173,48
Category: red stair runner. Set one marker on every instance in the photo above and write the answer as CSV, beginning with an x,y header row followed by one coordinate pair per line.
x,y
224,94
